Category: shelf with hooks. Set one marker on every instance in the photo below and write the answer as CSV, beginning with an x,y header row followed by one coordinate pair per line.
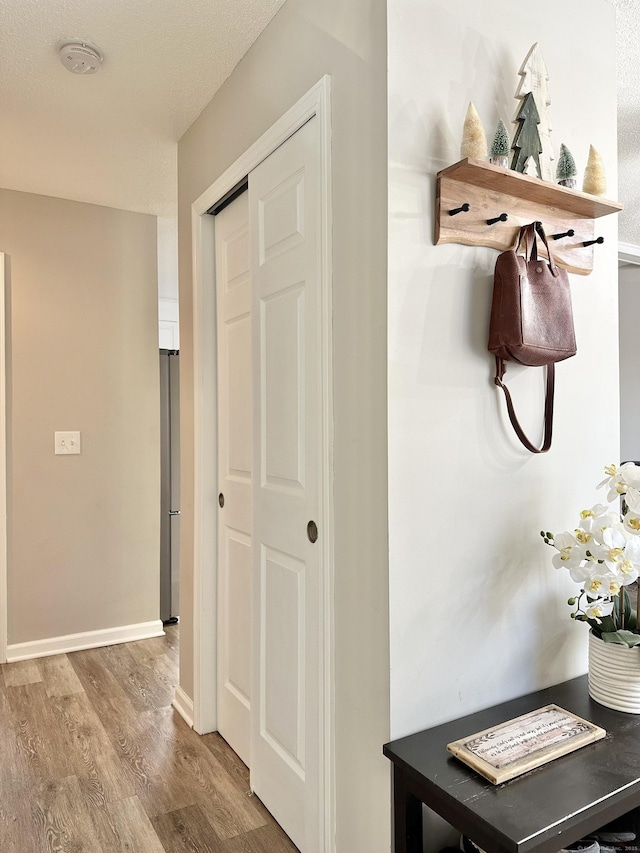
x,y
479,204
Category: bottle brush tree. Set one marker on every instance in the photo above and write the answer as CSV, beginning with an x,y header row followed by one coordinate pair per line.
x,y
594,177
566,169
474,141
500,145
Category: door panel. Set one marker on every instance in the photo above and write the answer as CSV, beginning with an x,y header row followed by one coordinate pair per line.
x,y
282,646
238,342
238,593
233,282
286,311
282,405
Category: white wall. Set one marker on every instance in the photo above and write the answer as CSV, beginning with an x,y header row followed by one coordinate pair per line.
x,y
477,613
629,312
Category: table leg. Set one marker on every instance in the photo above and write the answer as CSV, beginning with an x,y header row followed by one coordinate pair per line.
x,y
407,816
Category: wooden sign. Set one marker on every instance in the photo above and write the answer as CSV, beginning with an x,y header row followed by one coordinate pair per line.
x,y
512,748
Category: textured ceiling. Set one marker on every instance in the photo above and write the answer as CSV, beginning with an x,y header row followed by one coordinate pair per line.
x,y
111,138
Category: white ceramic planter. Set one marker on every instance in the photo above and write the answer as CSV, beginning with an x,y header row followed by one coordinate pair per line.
x,y
614,675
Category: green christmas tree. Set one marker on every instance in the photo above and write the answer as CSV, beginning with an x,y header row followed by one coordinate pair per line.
x,y
566,169
526,142
500,146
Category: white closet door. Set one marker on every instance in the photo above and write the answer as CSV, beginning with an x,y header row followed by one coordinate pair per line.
x,y
233,283
286,312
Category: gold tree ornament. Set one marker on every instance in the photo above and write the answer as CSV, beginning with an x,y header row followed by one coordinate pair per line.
x,y
474,140
595,181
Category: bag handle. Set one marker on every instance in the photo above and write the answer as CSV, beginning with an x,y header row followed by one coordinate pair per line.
x,y
530,233
527,233
501,369
553,267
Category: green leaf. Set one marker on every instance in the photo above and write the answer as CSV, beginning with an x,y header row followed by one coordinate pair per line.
x,y
606,626
622,638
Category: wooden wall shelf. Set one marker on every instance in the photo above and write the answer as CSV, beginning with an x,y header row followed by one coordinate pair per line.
x,y
492,190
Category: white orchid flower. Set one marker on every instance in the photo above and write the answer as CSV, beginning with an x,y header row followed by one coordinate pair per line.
x,y
628,573
632,499
614,482
631,523
584,573
629,566
570,553
602,554
582,537
630,473
596,520
603,585
598,608
611,549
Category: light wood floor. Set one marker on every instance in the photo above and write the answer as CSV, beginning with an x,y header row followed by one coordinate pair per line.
x,y
93,759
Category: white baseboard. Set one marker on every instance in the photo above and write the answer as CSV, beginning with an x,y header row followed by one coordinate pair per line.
x,y
184,706
85,640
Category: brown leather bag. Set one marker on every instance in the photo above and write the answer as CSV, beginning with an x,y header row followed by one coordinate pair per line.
x,y
531,320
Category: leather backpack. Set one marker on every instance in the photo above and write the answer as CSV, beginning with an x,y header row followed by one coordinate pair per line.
x,y
531,320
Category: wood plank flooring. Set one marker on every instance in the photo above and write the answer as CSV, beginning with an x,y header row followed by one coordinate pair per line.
x,y
93,759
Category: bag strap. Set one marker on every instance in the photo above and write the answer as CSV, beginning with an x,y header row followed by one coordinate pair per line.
x,y
540,230
530,233
501,369
527,233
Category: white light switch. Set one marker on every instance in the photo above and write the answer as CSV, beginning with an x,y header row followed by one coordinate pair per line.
x,y
66,442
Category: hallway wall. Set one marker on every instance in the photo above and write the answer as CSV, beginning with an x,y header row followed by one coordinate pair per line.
x,y
83,355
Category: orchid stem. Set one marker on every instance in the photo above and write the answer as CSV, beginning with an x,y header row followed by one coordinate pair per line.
x,y
621,603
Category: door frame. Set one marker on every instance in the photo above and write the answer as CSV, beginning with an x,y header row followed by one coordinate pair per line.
x,y
316,102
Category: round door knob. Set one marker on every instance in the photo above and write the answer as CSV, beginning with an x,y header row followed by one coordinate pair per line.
x,y
312,531
221,499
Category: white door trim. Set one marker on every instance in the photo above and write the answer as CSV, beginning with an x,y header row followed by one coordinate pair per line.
x,y
629,253
315,103
3,464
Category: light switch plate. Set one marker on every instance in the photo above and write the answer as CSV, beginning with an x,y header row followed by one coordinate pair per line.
x,y
66,442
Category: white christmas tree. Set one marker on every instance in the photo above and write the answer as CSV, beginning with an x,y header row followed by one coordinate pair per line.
x,y
534,79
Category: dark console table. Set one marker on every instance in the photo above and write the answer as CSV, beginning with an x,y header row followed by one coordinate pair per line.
x,y
542,811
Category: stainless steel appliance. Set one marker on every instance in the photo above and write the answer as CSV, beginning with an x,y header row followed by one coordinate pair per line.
x,y
169,485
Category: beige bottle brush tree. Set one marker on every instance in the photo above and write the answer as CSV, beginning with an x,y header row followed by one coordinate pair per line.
x,y
595,181
474,140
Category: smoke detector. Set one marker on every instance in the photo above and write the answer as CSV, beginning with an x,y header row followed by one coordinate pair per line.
x,y
80,57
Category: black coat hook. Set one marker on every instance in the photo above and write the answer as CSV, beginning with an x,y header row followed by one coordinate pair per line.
x,y
502,218
591,242
568,233
464,208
